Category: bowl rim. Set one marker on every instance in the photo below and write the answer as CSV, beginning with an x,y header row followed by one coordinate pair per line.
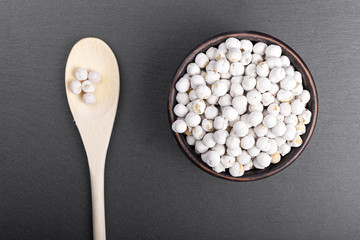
x,y
180,139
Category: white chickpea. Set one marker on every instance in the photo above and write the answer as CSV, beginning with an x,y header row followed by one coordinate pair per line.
x,y
273,51
297,77
220,123
220,54
247,142
225,100
273,109
212,99
192,119
211,112
198,106
270,121
250,70
248,166
219,88
274,89
211,76
236,69
304,96
229,113
210,66
219,168
210,53
255,118
202,60
263,84
288,83
273,149
298,89
280,141
89,98
208,140
232,142
190,140
94,76
277,74
241,129
220,136
240,104
227,161
207,125
232,43
256,58
263,143
252,132
179,126
261,130
244,158
203,92
263,160
87,86
284,149
246,58
300,128
234,152
262,69
234,55
196,80
193,69
275,158
180,110
290,132
254,97
279,129
284,96
236,170
81,74
192,95
200,147
270,134
236,90
297,141
219,148
267,98
305,116
75,86
222,66
198,132
227,83
246,45
297,107
182,98
182,85
290,71
285,109
285,61
291,119
259,48
248,83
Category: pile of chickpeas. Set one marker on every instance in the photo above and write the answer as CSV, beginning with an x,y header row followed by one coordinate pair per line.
x,y
85,83
242,106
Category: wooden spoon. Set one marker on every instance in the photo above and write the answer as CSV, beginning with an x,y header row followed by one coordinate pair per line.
x,y
95,122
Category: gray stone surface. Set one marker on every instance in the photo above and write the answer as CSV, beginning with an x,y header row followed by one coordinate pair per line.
x,y
152,190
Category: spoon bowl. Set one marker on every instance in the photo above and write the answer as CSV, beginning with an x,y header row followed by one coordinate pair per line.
x,y
95,121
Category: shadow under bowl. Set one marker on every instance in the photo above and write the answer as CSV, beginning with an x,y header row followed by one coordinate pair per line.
x,y
308,84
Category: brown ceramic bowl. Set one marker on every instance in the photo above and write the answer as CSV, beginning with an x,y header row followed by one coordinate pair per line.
x,y
308,84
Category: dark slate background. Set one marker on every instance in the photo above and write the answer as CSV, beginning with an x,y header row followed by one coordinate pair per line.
x,y
152,190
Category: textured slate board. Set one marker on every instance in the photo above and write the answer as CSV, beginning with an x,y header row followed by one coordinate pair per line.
x,y
152,190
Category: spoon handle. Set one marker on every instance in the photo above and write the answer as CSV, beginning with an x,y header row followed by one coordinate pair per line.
x,y
98,205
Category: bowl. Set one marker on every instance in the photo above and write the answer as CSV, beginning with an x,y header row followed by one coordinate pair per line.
x,y
308,84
